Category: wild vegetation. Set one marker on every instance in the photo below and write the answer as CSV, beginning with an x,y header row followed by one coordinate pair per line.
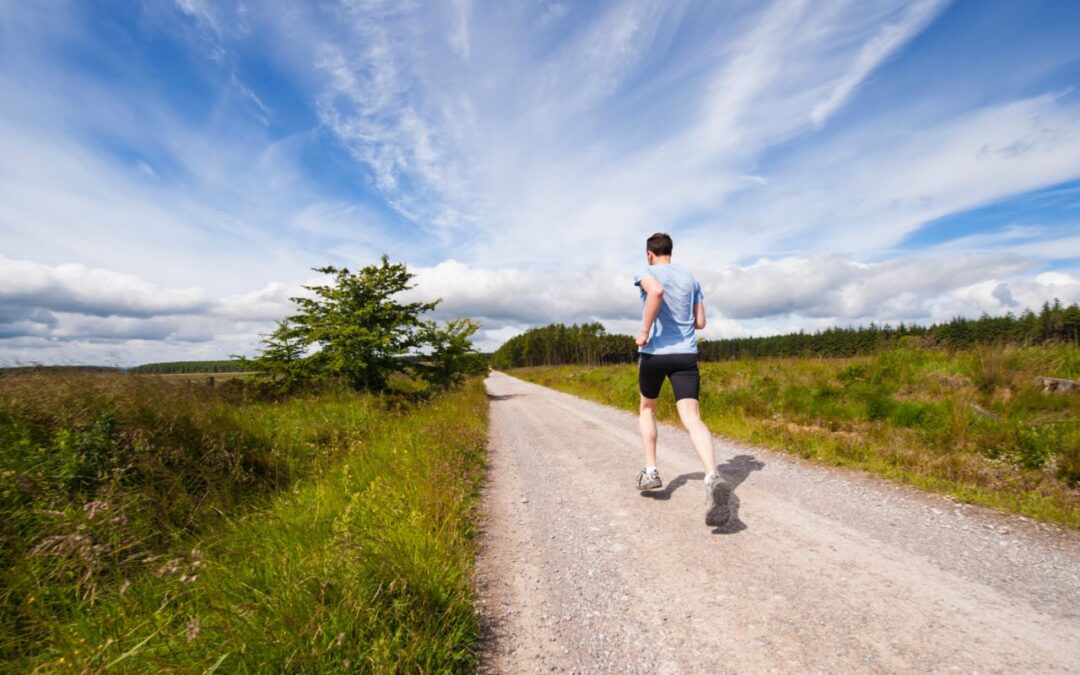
x,y
168,526
974,424
313,516
590,344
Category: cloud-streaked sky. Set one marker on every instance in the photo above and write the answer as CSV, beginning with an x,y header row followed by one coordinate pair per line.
x,y
170,171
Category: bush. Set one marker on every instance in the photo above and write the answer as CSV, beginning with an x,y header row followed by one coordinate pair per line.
x,y
1036,444
356,330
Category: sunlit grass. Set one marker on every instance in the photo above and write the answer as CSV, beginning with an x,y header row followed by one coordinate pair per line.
x,y
350,549
974,425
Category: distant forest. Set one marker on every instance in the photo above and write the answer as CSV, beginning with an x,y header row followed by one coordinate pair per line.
x,y
591,344
226,366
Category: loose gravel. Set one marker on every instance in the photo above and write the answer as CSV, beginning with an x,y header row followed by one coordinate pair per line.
x,y
818,570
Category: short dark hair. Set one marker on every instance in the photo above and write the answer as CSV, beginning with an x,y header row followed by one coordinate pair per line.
x,y
659,244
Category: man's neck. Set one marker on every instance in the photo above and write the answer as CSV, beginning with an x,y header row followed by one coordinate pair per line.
x,y
661,260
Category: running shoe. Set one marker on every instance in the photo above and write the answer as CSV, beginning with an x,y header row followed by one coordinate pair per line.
x,y
717,500
649,480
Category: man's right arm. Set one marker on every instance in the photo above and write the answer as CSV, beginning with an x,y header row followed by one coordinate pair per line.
x,y
654,296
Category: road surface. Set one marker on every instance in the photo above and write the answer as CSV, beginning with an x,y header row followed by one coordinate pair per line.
x,y
819,570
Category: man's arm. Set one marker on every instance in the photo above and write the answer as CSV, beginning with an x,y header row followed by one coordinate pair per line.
x,y
699,315
654,296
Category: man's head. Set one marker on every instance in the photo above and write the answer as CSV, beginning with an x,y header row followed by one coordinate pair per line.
x,y
658,246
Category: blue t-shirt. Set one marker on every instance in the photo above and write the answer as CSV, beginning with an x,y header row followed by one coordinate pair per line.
x,y
673,330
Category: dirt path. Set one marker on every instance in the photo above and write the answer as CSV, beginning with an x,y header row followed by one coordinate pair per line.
x,y
818,570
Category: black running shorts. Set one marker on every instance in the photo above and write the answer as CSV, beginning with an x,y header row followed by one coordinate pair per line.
x,y
681,368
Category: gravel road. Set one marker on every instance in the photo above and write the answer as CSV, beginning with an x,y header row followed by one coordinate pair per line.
x,y
819,570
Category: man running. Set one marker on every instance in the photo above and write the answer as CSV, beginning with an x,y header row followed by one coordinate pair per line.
x,y
667,344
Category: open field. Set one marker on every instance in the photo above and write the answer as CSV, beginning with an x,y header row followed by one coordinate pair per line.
x,y
201,377
973,425
150,527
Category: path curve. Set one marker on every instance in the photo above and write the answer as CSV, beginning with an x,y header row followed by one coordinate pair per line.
x,y
819,570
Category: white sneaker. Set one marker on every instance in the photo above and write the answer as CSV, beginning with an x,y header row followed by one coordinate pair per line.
x,y
649,480
717,500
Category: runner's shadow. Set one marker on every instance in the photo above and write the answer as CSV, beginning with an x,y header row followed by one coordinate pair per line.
x,y
674,485
734,472
502,397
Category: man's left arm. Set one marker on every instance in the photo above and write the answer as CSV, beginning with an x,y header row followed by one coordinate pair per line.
x,y
699,307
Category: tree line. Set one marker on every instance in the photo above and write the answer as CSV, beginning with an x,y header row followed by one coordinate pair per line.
x,y
558,343
590,344
167,368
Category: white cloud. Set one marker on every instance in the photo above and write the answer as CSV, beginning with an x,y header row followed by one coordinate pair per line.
x,y
870,187
458,39
888,40
201,12
92,291
792,293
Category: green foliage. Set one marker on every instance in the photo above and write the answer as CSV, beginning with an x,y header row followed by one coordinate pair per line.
x,y
558,343
367,568
356,330
350,546
97,472
1036,444
451,358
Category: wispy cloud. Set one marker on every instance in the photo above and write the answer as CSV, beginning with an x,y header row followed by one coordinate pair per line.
x,y
517,154
897,176
891,37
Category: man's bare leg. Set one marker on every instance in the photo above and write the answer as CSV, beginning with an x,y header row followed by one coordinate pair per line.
x,y
647,424
690,414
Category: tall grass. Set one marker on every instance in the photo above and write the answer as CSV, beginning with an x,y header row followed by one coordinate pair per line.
x,y
971,424
155,526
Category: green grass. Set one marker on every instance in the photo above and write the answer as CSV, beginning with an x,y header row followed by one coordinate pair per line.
x,y
342,539
973,424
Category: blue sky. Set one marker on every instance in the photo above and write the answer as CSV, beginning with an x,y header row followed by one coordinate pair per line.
x,y
171,171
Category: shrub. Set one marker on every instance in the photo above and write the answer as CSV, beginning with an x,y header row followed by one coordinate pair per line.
x,y
355,329
1036,444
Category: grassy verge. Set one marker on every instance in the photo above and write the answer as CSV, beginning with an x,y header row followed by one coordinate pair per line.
x,y
973,425
350,549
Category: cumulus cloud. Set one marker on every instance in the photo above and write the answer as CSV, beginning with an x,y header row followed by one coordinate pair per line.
x,y
774,295
525,296
270,303
54,308
797,292
836,286
86,290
